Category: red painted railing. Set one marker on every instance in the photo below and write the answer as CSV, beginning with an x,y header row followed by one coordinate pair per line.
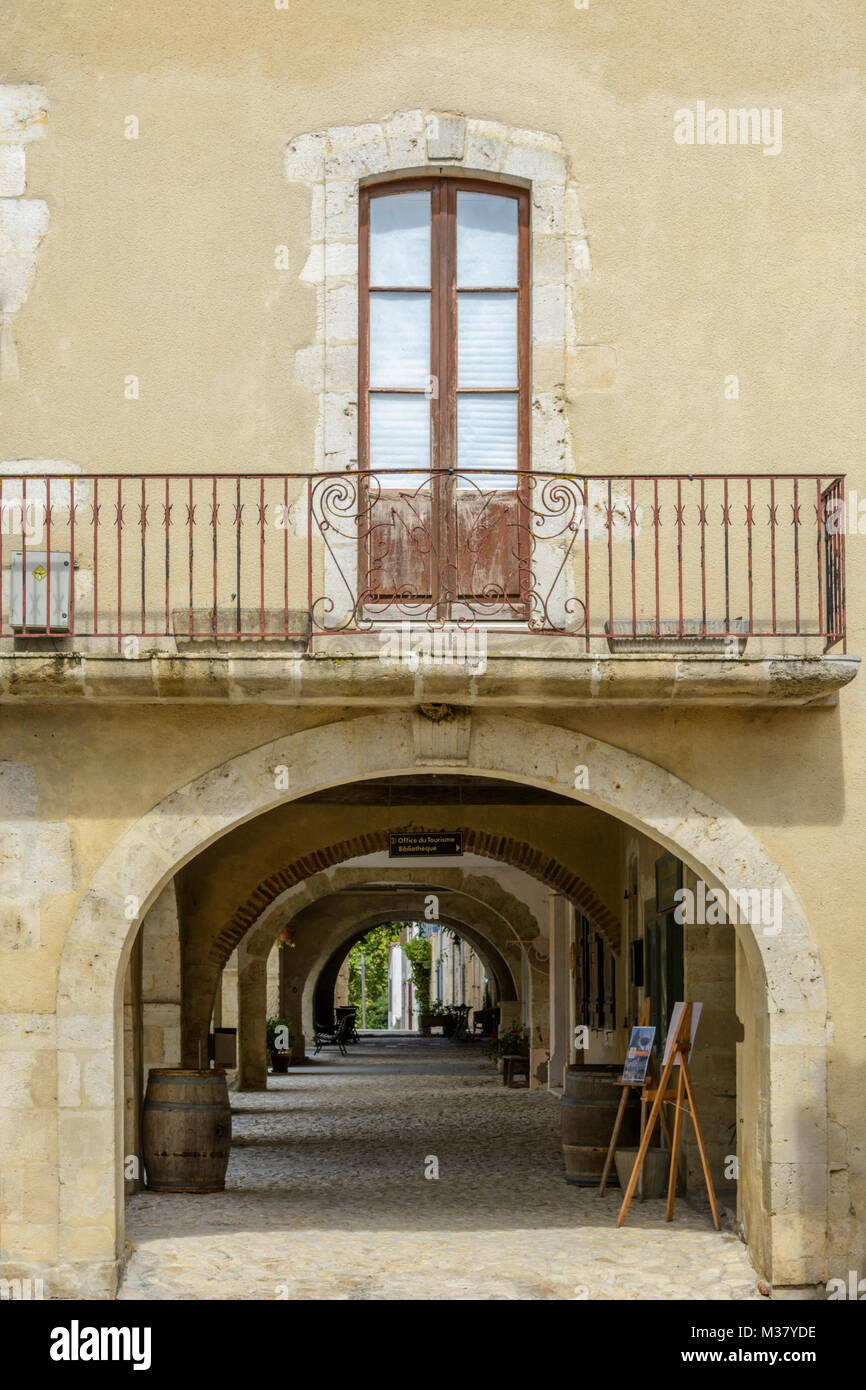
x,y
617,563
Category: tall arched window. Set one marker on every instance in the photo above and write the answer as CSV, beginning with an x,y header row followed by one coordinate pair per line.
x,y
444,386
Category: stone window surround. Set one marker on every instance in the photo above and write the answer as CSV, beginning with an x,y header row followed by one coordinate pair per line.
x,y
335,163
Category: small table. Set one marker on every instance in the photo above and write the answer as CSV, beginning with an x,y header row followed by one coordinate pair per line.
x,y
512,1067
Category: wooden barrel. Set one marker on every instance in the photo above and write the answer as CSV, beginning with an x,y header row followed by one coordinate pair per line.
x,y
574,1086
186,1131
587,1113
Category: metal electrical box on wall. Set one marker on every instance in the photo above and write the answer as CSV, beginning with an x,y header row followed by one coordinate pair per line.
x,y
36,590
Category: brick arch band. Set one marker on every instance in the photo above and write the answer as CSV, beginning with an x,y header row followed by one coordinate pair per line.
x,y
516,853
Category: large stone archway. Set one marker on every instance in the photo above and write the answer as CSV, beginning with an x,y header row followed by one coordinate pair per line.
x,y
499,920
331,910
471,899
788,1237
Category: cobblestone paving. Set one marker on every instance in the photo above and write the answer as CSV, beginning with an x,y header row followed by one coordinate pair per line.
x,y
326,1198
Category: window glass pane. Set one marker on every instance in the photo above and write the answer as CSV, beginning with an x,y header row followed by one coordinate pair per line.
x,y
399,439
486,438
486,239
399,340
400,239
487,340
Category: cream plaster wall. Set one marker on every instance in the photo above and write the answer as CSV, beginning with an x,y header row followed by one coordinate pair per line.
x,y
714,253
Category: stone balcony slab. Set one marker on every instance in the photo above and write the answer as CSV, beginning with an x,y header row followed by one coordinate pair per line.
x,y
350,671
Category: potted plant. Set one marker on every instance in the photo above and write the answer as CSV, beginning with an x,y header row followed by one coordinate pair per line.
x,y
279,1041
431,1018
514,1042
418,953
655,1169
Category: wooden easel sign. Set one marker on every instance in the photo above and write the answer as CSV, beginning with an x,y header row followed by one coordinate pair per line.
x,y
673,1028
678,1050
638,1073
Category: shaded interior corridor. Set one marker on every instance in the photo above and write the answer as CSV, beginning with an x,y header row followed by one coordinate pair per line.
x,y
326,1197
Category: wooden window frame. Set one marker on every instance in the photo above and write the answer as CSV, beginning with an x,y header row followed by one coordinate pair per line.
x,y
443,291
596,987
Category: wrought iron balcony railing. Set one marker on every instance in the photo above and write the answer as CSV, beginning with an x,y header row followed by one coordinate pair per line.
x,y
629,563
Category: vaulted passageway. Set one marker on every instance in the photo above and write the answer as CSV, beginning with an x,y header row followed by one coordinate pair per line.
x,y
632,833
326,1196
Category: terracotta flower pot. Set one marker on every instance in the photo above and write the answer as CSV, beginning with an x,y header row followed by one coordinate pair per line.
x,y
280,1062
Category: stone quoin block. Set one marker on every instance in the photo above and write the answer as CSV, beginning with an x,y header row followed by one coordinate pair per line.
x,y
341,258
341,210
358,162
12,863
404,123
548,208
548,260
541,166
535,139
17,790
407,151
305,155
23,112
548,312
19,924
485,152
346,137
12,171
341,312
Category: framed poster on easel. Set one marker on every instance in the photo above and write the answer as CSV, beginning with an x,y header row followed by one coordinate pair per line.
x,y
638,1056
638,1074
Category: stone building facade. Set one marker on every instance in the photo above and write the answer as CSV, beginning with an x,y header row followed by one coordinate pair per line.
x,y
215,710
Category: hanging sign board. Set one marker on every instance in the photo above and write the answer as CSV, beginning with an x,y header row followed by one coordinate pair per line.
x,y
638,1055
406,844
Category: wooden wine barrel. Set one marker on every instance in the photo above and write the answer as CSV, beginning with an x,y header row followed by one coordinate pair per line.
x,y
573,1084
186,1131
587,1113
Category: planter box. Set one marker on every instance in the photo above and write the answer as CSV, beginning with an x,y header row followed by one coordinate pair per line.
x,y
428,1021
656,1167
